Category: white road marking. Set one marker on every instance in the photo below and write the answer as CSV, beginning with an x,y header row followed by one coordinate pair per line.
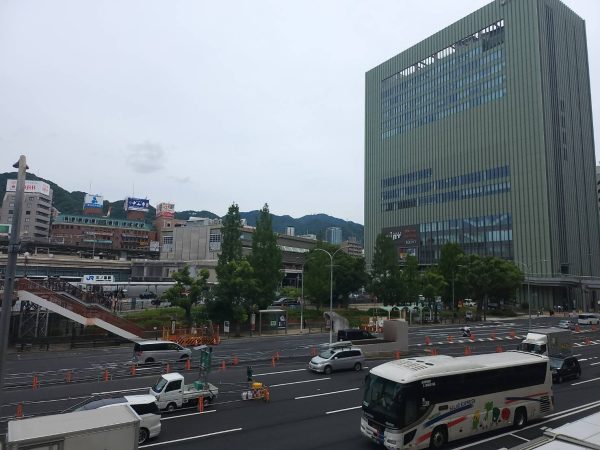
x,y
298,382
186,415
514,435
277,373
326,393
343,410
594,364
122,390
191,437
586,381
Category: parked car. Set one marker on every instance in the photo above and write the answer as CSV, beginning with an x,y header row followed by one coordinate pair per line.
x,y
338,356
567,324
564,367
144,405
286,302
354,335
156,351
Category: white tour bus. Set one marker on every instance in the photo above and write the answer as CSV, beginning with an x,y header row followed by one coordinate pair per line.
x,y
428,401
588,319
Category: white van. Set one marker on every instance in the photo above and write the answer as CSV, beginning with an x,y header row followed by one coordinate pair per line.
x,y
144,405
157,351
588,319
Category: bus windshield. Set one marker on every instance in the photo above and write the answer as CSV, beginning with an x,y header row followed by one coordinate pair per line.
x,y
395,404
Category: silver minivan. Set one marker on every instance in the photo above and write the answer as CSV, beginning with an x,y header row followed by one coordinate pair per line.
x,y
338,356
144,405
157,351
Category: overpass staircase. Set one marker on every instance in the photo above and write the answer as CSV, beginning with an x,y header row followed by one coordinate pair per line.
x,y
82,307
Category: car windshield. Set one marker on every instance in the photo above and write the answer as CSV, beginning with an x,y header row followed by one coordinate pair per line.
x,y
392,403
158,387
556,363
326,354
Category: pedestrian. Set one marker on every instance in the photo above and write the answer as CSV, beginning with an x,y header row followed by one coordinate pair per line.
x,y
304,324
249,373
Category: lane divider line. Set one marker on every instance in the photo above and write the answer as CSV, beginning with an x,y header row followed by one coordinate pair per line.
x,y
216,433
187,415
326,393
298,382
343,410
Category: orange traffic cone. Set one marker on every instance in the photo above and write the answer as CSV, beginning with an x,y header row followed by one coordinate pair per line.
x,y
397,355
200,404
106,375
188,364
427,340
434,352
19,412
277,356
222,365
472,337
273,361
313,351
35,384
499,349
133,370
468,351
69,376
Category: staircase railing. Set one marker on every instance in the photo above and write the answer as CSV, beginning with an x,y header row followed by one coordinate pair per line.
x,y
46,291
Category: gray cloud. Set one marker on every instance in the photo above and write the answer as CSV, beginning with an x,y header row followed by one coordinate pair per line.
x,y
146,157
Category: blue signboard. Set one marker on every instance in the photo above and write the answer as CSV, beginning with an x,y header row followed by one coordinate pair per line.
x,y
137,204
92,201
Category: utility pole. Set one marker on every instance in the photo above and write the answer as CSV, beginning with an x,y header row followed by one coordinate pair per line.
x,y
11,265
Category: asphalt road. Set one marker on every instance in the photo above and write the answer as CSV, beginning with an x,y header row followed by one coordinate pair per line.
x,y
307,410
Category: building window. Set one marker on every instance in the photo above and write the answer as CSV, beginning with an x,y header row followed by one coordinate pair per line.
x,y
167,239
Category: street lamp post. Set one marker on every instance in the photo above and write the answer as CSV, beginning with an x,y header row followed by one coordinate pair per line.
x,y
11,263
330,290
528,268
302,301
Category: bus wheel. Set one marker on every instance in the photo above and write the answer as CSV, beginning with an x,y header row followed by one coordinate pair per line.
x,y
439,437
520,418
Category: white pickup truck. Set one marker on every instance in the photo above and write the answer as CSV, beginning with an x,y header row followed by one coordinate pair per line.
x,y
171,392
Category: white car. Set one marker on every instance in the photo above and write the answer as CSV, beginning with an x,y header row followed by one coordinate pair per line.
x,y
144,405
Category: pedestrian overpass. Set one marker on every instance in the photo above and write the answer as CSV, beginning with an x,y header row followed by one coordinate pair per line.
x,y
37,298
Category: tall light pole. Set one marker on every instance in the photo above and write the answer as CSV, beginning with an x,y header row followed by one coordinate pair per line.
x,y
330,290
11,264
528,268
302,301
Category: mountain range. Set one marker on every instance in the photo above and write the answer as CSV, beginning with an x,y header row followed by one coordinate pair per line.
x,y
72,203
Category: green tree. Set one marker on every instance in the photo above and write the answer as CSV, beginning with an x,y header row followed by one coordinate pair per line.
x,y
491,277
385,278
235,276
451,257
411,278
432,285
317,274
187,290
350,275
265,260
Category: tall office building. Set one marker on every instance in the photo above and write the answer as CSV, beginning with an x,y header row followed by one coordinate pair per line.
x,y
333,235
36,211
482,135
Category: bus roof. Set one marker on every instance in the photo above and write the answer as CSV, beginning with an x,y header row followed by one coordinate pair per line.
x,y
420,368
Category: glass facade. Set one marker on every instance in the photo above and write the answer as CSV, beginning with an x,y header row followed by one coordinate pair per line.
x,y
464,75
485,235
478,185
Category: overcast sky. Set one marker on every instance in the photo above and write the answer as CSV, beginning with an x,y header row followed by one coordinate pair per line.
x,y
204,103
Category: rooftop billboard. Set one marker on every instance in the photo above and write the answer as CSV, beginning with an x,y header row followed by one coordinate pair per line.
x,y
37,187
93,201
136,204
165,210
